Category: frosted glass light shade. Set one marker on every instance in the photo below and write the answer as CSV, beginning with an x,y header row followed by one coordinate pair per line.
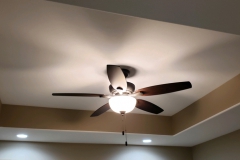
x,y
122,103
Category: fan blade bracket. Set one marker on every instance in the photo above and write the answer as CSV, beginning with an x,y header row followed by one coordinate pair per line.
x,y
138,93
106,96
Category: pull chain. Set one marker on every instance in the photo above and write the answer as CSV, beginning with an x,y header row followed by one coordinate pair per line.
x,y
124,126
125,129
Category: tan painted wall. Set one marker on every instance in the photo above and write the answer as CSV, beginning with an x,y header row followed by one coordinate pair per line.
x,y
226,147
66,119
0,105
216,101
58,151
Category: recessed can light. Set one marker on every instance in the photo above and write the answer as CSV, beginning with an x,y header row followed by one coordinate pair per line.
x,y
22,136
147,141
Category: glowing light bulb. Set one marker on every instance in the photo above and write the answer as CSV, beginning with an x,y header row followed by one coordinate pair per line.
x,y
122,103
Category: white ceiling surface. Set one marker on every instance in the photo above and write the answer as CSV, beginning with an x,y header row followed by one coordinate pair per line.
x,y
50,47
214,15
221,124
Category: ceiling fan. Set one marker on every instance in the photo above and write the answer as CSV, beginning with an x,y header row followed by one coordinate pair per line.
x,y
121,99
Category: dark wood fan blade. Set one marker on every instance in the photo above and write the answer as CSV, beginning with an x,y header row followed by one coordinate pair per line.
x,y
101,110
148,106
116,77
165,88
78,94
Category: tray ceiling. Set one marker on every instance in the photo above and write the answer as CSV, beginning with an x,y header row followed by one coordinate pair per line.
x,y
49,47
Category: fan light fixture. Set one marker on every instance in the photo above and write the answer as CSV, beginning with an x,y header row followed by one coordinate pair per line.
x,y
122,93
122,103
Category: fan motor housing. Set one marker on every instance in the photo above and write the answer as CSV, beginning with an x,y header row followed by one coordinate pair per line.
x,y
130,89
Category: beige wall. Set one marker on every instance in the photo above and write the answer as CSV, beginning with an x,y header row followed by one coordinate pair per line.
x,y
0,105
17,116
220,99
60,151
226,147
